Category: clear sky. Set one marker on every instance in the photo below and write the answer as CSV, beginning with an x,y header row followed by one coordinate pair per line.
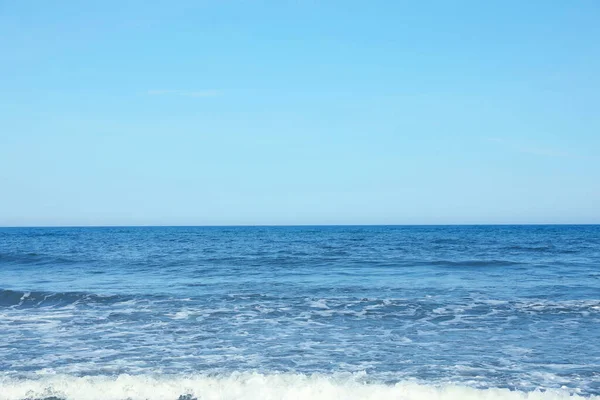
x,y
299,112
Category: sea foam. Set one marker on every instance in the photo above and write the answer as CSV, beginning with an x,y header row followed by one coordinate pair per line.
x,y
252,386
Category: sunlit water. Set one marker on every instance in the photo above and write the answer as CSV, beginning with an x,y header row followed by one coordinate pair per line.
x,y
499,312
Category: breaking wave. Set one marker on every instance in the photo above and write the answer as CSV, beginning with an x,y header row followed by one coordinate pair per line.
x,y
11,298
254,386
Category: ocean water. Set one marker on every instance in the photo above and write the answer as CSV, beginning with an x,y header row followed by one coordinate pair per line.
x,y
424,312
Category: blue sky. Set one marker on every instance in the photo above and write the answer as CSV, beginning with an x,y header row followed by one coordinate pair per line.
x,y
299,112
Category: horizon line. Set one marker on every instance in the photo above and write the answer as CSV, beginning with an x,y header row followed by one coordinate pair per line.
x,y
300,225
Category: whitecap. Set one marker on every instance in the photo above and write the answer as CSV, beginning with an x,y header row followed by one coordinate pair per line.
x,y
254,386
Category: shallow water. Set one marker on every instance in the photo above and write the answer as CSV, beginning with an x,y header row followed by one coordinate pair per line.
x,y
300,312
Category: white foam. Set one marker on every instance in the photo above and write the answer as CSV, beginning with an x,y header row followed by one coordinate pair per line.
x,y
252,386
321,303
183,314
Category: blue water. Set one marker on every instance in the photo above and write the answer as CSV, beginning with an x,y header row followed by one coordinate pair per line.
x,y
475,307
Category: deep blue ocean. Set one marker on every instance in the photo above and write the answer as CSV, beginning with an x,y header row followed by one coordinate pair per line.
x,y
349,312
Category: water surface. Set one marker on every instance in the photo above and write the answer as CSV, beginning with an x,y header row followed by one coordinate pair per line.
x,y
479,308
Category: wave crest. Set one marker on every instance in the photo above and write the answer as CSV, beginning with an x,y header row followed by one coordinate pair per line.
x,y
253,386
11,298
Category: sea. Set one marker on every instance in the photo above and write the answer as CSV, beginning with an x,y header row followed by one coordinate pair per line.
x,y
306,312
